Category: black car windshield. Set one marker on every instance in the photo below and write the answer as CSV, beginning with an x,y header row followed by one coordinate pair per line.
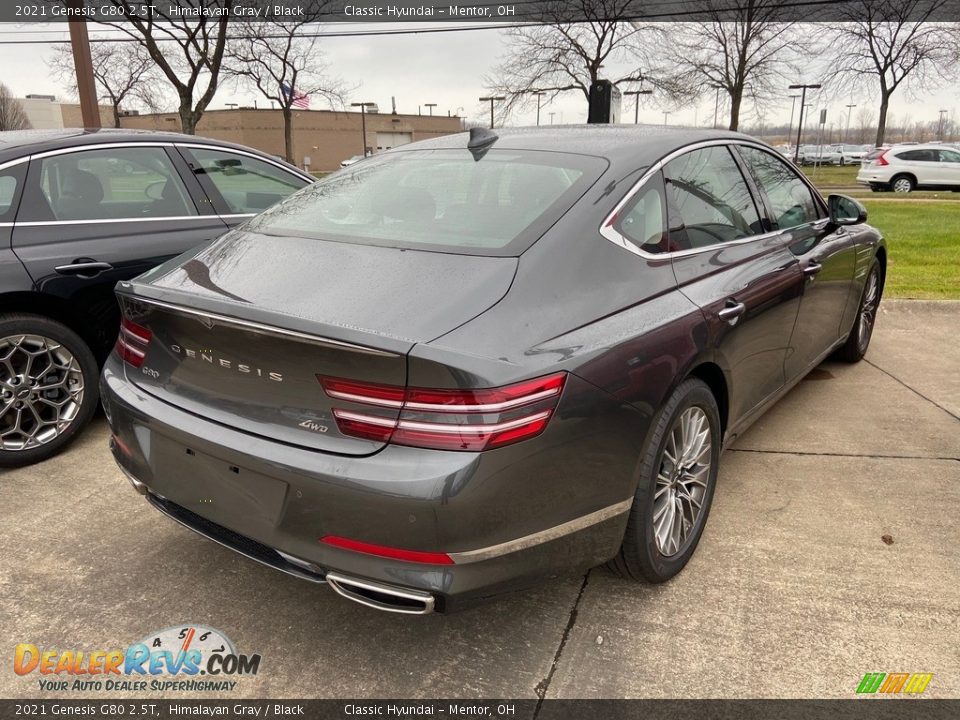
x,y
441,200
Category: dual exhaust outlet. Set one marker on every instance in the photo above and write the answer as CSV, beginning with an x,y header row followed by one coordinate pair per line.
x,y
379,596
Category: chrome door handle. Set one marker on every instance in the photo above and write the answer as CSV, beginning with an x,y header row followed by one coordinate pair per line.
x,y
732,312
812,269
87,267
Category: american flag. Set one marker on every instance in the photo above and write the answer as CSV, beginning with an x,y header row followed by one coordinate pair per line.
x,y
299,99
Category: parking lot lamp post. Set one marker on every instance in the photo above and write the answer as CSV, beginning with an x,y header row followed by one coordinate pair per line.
x,y
539,94
492,99
793,108
431,106
636,107
666,114
363,121
846,133
803,98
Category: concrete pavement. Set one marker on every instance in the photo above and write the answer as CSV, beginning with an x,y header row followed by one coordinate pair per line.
x,y
792,593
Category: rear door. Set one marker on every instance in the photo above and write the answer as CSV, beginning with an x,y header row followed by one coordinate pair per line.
x,y
90,217
743,277
240,184
827,256
949,171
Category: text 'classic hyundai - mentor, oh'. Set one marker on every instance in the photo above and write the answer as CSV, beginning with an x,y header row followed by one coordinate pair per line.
x,y
465,365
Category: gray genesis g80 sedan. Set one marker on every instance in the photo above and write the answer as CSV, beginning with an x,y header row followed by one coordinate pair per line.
x,y
472,363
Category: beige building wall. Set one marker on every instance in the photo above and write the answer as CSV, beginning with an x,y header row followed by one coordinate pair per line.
x,y
73,118
326,137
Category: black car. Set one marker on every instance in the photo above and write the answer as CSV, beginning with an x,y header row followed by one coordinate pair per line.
x,y
80,210
476,361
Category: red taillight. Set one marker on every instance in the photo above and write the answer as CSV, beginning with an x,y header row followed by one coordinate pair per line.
x,y
416,556
881,159
469,420
132,342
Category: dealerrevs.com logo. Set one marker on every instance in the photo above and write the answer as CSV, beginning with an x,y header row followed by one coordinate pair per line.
x,y
187,658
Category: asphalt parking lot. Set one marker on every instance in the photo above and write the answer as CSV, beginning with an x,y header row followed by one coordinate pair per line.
x,y
792,593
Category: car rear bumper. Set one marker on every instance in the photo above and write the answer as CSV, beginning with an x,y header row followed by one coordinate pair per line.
x,y
273,502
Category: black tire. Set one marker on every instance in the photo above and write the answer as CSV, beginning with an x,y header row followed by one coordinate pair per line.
x,y
905,181
857,342
80,407
640,557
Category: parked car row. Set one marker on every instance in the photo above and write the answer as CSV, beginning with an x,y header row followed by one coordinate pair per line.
x,y
838,154
80,211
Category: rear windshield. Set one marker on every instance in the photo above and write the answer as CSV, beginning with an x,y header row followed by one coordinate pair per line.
x,y
440,200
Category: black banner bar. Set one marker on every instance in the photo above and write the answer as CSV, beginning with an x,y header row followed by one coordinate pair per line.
x,y
873,708
477,11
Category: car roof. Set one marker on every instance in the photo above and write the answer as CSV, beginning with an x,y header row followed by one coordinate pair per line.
x,y
634,144
18,143
921,146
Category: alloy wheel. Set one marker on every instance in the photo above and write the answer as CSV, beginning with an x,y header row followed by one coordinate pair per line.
x,y
902,185
41,391
868,310
682,477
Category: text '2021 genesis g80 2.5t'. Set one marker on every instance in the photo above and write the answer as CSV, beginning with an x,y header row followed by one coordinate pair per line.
x,y
468,364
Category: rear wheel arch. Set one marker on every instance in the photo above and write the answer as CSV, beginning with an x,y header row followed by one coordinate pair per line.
x,y
39,304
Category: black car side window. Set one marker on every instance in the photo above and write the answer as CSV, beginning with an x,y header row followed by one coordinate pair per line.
x,y
130,183
643,221
709,200
247,185
790,199
8,191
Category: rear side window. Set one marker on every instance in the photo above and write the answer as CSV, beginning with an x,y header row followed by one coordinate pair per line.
x,y
444,200
644,220
918,155
8,190
950,156
246,184
791,201
113,184
709,200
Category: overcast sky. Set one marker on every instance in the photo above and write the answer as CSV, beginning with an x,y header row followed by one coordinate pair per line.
x,y
445,68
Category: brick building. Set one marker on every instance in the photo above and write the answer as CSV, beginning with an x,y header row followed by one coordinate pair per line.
x,y
321,138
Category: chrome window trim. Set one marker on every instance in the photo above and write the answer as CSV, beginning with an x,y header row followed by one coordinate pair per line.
x,y
608,231
538,538
262,327
13,163
107,221
98,146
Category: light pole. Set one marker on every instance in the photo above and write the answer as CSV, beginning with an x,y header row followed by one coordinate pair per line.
x,y
793,108
636,108
846,133
803,99
716,104
363,121
492,99
940,126
666,114
551,117
431,106
539,94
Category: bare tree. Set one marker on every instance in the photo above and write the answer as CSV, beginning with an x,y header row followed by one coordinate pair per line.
x,y
893,43
188,50
560,54
743,49
864,121
124,73
283,67
12,114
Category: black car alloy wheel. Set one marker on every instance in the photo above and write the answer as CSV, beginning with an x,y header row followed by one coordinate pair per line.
x,y
48,388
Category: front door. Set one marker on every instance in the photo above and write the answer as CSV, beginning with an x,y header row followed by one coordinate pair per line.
x,y
827,257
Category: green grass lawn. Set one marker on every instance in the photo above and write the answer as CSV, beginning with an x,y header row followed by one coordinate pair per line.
x,y
923,243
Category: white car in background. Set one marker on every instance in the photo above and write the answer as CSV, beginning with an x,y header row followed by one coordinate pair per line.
x,y
904,168
851,154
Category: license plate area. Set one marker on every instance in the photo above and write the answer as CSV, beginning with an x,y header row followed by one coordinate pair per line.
x,y
227,494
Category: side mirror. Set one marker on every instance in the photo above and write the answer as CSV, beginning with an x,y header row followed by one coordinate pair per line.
x,y
846,211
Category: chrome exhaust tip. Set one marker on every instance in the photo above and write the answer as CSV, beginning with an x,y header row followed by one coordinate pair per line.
x,y
381,597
